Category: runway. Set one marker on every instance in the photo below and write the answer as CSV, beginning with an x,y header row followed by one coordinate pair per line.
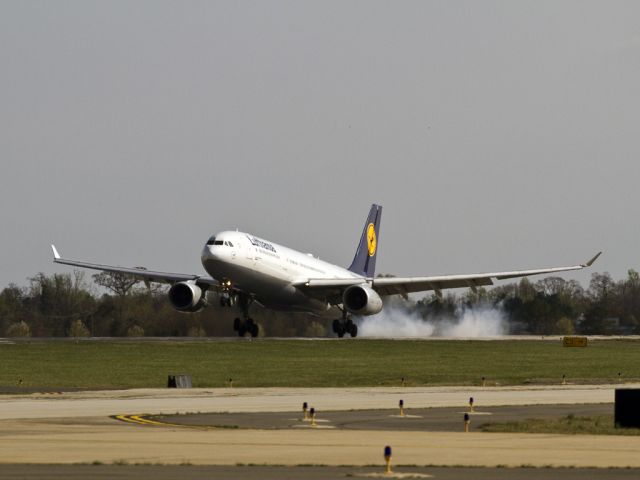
x,y
192,472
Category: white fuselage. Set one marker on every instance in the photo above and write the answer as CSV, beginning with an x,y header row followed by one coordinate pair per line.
x,y
267,270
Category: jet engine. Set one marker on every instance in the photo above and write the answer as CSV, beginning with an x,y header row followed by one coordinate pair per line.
x,y
361,300
186,297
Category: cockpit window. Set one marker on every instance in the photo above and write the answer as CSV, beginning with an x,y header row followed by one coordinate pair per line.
x,y
230,244
211,240
218,242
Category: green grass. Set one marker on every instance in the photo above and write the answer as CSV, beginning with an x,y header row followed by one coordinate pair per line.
x,y
114,364
596,425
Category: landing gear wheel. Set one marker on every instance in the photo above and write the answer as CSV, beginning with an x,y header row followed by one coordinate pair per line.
x,y
354,330
340,332
242,331
336,326
236,324
254,330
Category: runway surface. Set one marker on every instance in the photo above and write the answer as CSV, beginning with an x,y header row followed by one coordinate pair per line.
x,y
188,472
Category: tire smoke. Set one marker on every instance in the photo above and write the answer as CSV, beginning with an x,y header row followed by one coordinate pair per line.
x,y
468,322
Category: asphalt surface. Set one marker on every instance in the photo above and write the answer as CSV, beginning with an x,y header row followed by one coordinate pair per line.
x,y
188,472
258,400
78,428
448,419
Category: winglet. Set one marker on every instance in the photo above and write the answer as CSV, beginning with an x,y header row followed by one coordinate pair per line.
x,y
56,255
590,262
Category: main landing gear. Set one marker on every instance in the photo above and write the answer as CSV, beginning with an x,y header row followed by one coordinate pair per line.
x,y
345,325
229,298
245,324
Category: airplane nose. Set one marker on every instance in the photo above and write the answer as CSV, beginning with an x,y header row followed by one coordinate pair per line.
x,y
208,252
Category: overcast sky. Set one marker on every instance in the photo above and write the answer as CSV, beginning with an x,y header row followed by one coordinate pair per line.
x,y
496,135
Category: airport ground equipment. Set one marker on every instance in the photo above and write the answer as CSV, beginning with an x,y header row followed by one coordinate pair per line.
x,y
179,381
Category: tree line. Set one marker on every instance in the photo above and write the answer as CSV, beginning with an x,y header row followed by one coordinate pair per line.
x,y
72,305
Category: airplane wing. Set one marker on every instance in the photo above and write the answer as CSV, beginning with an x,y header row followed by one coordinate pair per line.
x,y
142,273
399,285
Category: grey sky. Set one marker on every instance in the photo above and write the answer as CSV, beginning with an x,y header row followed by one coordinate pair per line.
x,y
497,135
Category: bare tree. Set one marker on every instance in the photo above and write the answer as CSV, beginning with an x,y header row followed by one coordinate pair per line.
x,y
119,283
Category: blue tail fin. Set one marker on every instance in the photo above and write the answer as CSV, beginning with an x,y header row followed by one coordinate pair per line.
x,y
364,263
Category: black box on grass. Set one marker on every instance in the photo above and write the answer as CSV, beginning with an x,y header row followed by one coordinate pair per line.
x,y
627,409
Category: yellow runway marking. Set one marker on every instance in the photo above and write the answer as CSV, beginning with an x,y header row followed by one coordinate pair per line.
x,y
140,419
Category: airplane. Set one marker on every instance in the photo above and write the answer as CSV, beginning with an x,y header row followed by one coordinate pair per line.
x,y
243,268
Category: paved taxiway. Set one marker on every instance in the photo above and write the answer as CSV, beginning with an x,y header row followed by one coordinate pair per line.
x,y
443,419
114,402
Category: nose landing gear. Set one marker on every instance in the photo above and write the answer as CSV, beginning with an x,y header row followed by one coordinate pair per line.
x,y
227,295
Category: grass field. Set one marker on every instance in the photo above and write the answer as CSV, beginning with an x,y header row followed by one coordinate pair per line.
x,y
294,363
596,425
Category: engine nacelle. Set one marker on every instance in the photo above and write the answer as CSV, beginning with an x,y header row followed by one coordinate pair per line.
x,y
186,297
361,300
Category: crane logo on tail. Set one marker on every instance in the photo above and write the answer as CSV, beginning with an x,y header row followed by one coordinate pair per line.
x,y
372,242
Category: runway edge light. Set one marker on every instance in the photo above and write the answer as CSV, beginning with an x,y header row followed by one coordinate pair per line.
x,y
387,459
